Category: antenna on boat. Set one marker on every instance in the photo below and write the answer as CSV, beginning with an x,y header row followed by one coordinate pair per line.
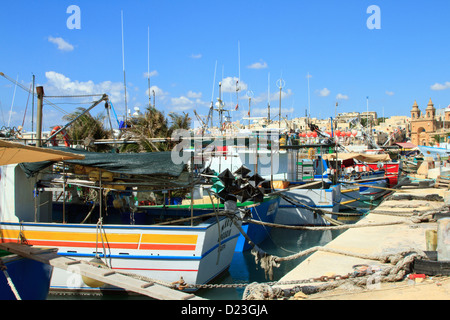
x,y
239,61
211,108
32,104
123,64
281,84
148,66
309,97
238,82
250,94
268,99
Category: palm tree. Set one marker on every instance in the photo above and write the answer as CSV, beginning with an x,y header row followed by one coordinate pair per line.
x,y
87,129
153,124
180,121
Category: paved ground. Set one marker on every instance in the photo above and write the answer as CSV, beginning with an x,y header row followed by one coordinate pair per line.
x,y
375,241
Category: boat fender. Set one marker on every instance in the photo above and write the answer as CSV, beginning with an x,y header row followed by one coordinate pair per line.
x,y
92,282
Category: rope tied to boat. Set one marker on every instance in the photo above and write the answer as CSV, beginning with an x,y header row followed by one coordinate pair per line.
x,y
99,230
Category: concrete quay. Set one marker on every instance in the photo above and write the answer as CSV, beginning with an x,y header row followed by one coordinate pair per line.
x,y
398,233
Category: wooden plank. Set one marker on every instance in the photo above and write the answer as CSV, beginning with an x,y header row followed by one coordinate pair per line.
x,y
49,256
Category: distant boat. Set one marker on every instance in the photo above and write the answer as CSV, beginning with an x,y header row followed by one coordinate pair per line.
x,y
434,152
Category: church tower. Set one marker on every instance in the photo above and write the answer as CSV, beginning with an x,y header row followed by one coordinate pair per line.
x,y
415,112
430,110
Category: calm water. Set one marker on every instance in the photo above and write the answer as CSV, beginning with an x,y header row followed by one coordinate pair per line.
x,y
281,243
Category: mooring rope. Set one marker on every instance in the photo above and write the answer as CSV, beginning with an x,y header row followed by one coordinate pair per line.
x,y
401,264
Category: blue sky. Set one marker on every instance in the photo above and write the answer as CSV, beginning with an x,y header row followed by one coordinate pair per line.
x,y
405,60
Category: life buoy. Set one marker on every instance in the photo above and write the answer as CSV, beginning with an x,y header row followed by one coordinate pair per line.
x,y
64,134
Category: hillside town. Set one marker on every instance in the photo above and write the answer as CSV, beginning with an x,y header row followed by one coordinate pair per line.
x,y
429,128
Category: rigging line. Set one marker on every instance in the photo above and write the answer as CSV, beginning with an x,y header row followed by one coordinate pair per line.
x,y
3,116
76,96
26,89
12,103
26,107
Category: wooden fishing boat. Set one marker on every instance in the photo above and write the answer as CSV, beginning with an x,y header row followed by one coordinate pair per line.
x,y
265,211
24,279
197,251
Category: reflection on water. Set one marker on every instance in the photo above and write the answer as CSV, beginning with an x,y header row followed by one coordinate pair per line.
x,y
281,243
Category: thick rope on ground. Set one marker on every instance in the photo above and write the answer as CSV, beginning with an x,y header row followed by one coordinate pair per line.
x,y
401,265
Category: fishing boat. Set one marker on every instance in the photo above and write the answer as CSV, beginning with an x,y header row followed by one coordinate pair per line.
x,y
309,206
196,251
24,279
289,168
366,172
265,211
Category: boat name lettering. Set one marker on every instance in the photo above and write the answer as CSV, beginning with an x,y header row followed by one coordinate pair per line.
x,y
224,235
226,224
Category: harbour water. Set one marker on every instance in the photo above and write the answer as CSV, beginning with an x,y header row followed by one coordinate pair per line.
x,y
243,269
281,243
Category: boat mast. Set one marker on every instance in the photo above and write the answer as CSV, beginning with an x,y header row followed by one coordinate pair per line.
x,y
268,99
124,77
281,83
148,67
32,105
309,98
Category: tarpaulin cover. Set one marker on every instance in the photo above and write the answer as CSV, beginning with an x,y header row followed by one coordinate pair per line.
x,y
406,145
13,152
358,156
150,163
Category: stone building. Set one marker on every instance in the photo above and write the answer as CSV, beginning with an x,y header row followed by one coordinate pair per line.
x,y
425,127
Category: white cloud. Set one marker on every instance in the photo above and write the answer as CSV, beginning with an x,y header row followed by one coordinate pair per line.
x,y
390,93
61,43
229,84
438,86
153,73
181,104
196,56
59,84
258,65
192,94
160,94
341,96
324,92
262,112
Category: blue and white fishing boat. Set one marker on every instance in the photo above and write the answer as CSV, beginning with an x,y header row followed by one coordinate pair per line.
x,y
24,278
196,251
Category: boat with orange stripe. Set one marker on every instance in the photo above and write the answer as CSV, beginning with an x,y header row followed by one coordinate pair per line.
x,y
197,250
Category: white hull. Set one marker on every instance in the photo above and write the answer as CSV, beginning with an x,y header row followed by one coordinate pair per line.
x,y
161,253
197,253
300,213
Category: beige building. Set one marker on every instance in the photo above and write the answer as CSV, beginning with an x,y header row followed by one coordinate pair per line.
x,y
426,127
